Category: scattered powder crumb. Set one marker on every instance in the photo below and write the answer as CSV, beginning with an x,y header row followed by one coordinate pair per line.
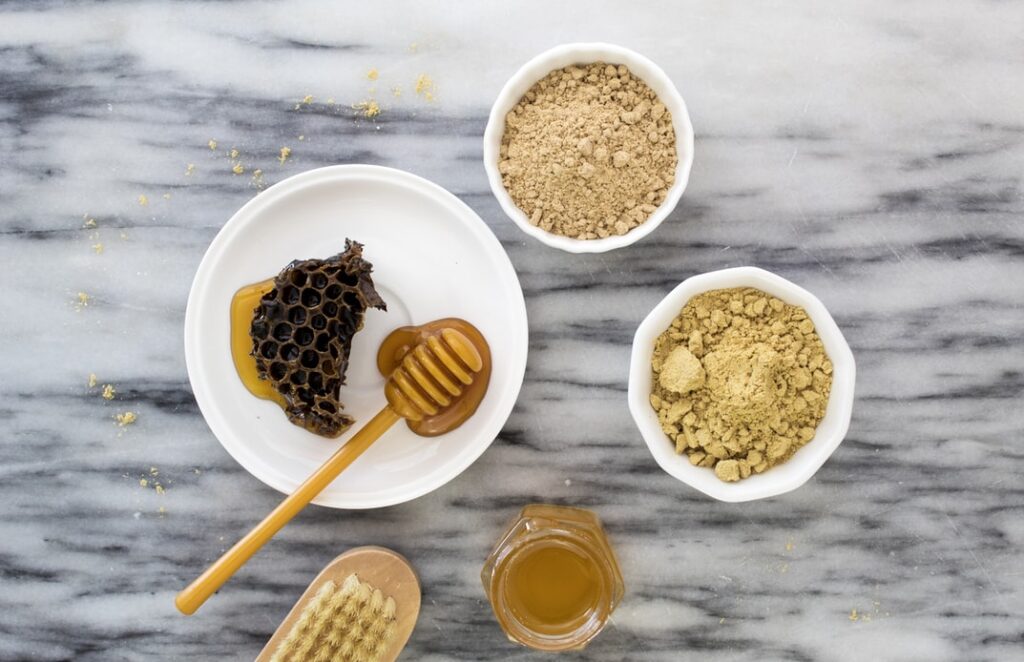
x,y
143,200
789,545
368,108
234,153
159,489
257,178
191,168
92,380
108,392
330,102
167,196
143,482
308,99
425,87
238,168
285,153
854,616
212,144
82,302
153,471
396,91
126,418
302,137
372,74
90,223
97,247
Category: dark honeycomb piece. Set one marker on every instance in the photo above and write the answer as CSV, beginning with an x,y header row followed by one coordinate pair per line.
x,y
302,334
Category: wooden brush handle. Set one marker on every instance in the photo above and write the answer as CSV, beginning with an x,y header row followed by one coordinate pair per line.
x,y
196,593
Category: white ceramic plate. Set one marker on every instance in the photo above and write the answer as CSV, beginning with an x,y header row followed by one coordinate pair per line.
x,y
781,478
432,257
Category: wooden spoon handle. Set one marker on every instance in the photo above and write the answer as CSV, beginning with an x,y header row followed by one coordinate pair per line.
x,y
196,593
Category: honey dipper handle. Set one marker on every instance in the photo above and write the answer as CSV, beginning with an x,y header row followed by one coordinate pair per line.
x,y
196,593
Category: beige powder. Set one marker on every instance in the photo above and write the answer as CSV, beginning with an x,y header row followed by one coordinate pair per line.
x,y
588,152
741,381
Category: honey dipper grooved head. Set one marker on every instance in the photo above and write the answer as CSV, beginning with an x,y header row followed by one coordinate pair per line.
x,y
432,376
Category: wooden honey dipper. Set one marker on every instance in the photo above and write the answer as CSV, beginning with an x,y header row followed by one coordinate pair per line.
x,y
437,376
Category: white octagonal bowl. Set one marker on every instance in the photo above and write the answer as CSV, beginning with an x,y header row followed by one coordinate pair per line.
x,y
778,479
563,56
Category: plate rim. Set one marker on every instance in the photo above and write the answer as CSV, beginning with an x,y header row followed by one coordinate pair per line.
x,y
218,422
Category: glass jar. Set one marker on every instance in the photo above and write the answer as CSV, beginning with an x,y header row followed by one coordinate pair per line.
x,y
553,579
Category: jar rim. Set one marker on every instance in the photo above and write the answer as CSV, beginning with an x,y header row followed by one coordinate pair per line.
x,y
594,621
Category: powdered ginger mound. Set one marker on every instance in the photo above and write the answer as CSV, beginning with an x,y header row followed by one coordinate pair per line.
x,y
588,152
741,381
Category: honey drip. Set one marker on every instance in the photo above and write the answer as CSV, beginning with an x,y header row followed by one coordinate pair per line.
x,y
243,306
403,340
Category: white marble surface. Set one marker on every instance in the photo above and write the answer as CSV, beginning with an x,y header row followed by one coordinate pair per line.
x,y
871,151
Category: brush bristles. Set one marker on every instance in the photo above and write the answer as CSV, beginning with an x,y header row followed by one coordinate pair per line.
x,y
351,623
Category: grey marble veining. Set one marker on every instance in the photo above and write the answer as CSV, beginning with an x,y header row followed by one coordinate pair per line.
x,y
871,151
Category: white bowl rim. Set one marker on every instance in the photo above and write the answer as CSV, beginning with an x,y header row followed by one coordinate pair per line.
x,y
583,52
782,478
295,183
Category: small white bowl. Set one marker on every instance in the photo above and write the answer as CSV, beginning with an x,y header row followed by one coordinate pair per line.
x,y
779,479
563,56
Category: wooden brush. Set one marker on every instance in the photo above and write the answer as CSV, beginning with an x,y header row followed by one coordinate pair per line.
x,y
361,608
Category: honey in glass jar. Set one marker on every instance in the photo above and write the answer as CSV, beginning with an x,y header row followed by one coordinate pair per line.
x,y
553,579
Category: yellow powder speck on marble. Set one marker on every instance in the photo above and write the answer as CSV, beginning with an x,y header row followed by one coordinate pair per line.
x,y
126,418
90,223
368,108
143,200
153,471
189,169
853,615
108,392
92,380
425,87
308,99
372,74
97,248
238,168
330,102
159,489
212,144
82,302
234,153
143,482
285,153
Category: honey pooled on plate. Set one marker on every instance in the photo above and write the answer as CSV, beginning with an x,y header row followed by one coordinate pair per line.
x,y
293,347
